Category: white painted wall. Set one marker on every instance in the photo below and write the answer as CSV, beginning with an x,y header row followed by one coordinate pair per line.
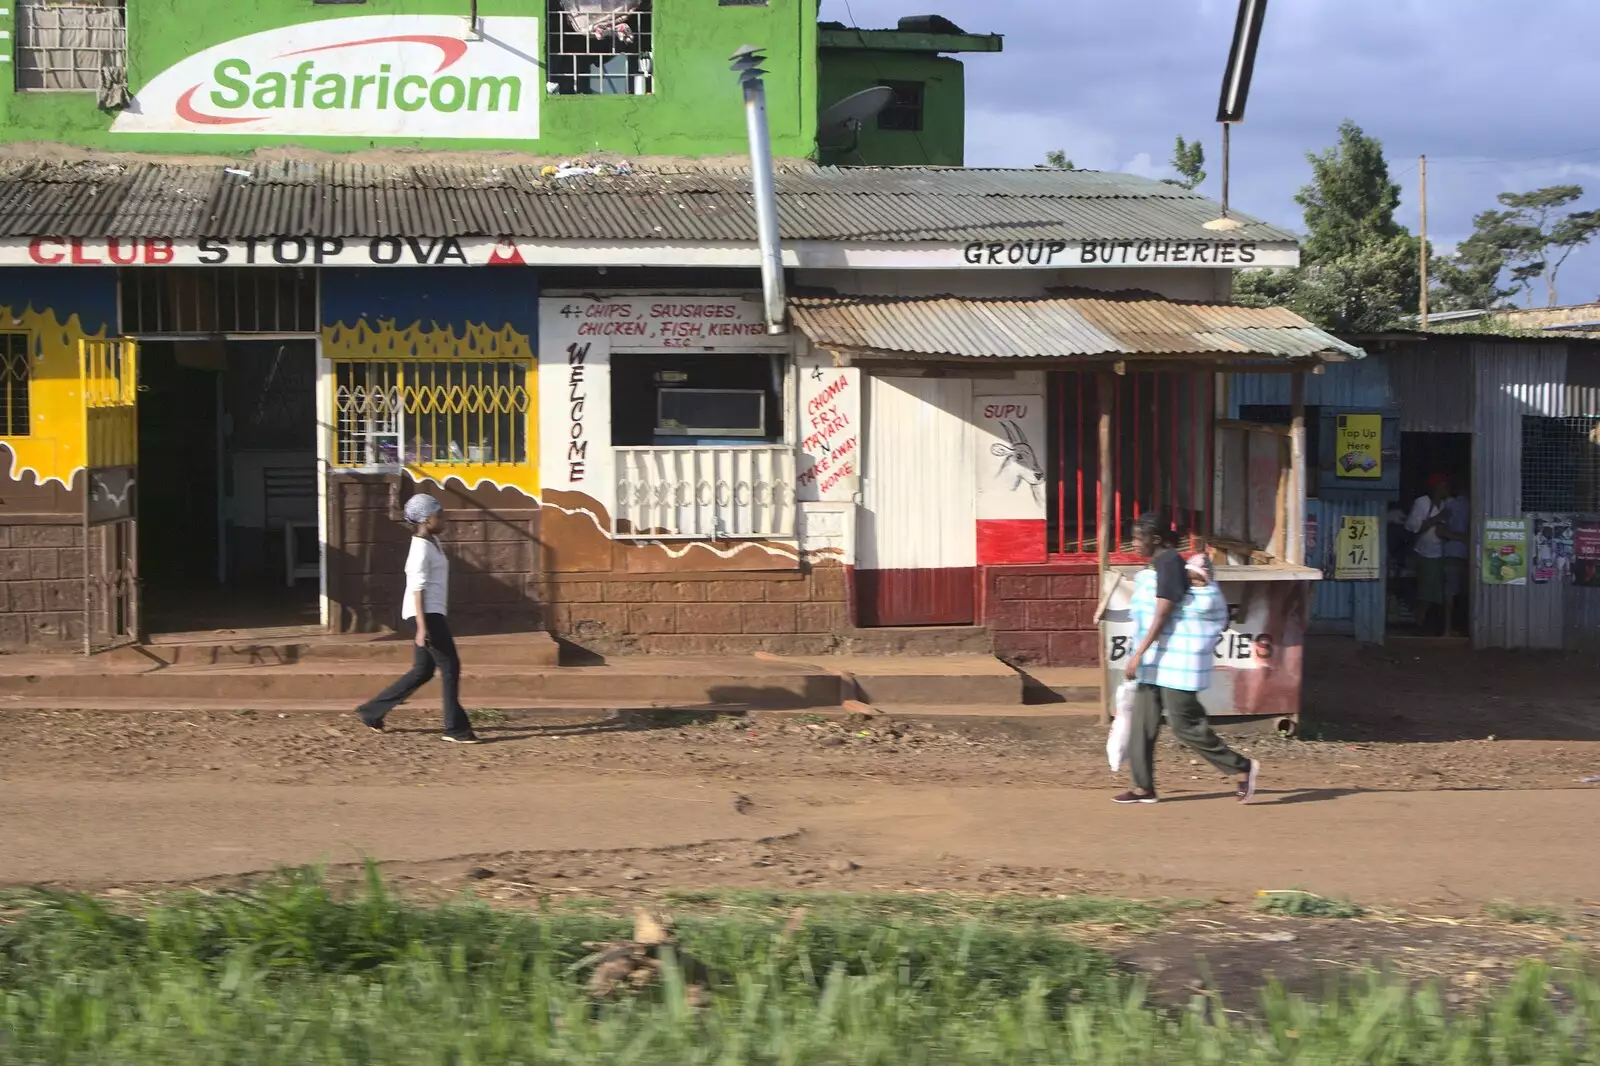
x,y
918,502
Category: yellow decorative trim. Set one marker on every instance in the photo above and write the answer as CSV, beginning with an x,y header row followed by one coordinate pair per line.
x,y
54,449
389,342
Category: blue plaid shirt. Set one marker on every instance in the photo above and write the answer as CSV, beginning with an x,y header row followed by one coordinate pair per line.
x,y
1181,659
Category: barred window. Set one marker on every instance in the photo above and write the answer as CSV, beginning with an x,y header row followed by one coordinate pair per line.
x,y
77,45
16,371
1560,464
600,47
430,413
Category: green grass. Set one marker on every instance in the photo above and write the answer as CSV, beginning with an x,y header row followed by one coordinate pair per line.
x,y
294,973
1517,914
1297,904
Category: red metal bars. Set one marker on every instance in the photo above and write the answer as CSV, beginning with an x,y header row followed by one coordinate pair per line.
x,y
1157,460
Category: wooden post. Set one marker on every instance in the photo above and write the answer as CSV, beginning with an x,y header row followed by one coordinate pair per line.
x,y
1423,303
1107,478
1297,470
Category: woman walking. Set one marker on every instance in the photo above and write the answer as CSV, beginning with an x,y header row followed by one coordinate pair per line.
x,y
426,600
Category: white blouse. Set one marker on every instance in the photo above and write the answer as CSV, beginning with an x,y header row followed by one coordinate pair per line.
x,y
427,570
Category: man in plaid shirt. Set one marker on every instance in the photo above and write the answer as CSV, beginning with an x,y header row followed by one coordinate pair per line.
x,y
1178,614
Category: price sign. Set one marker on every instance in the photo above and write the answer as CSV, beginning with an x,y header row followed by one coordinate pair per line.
x,y
1356,557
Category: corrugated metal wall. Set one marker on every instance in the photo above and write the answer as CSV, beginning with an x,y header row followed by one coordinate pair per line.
x,y
1432,386
1512,379
1353,607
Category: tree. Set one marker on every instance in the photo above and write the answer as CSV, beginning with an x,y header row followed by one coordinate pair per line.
x,y
1360,270
1350,202
1189,160
1470,279
1057,160
1549,233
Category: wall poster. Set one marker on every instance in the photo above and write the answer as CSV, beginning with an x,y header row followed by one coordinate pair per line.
x,y
1504,551
1553,549
1356,554
1360,447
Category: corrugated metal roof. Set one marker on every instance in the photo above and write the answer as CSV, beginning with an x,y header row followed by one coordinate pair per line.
x,y
1077,324
358,199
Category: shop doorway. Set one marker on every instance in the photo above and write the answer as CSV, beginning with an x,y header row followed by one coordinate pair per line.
x,y
1422,456
228,470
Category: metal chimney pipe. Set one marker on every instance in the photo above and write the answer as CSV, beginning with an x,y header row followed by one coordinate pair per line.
x,y
747,64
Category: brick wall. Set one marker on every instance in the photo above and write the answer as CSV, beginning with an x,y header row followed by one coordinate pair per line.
x,y
1043,615
41,584
786,612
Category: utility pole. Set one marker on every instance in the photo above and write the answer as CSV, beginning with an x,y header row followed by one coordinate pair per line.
x,y
1423,170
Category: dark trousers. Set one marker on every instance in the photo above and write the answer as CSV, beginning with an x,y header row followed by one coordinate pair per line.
x,y
1188,720
439,655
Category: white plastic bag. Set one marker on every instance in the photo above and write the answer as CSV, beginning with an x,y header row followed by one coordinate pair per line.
x,y
1121,726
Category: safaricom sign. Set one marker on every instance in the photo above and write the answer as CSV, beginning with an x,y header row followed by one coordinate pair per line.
x,y
411,76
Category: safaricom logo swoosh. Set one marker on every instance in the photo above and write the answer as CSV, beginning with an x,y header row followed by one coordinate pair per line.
x,y
237,85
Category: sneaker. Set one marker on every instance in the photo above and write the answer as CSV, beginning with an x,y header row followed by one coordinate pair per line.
x,y
462,738
1247,791
1134,797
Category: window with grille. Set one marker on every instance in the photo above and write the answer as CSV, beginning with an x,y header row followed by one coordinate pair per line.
x,y
78,45
176,301
16,371
1161,451
904,113
1560,464
430,413
600,47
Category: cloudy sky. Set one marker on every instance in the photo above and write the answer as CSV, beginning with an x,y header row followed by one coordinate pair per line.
x,y
1500,94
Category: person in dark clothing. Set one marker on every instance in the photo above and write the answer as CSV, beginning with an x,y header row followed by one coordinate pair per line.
x,y
426,603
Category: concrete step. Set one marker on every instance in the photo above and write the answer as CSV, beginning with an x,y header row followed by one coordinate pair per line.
x,y
743,682
1061,684
266,648
948,679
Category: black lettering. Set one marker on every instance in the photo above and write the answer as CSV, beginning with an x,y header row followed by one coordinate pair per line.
x,y
420,252
1180,251
1015,253
280,250
995,251
1220,650
578,449
574,471
577,409
1056,248
1200,251
250,250
213,251
1225,254
576,374
1163,249
1242,647
1036,250
974,253
327,248
1247,253
451,252
1086,253
577,354
1124,247
1142,253
385,251
1119,648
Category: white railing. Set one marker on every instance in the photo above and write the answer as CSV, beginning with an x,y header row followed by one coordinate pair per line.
x,y
723,493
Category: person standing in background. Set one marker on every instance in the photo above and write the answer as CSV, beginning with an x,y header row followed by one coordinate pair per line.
x,y
1427,551
426,603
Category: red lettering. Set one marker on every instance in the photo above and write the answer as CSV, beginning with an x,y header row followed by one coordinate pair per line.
x,y
158,251
37,253
118,256
78,258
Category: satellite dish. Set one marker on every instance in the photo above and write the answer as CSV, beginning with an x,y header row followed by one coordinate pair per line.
x,y
844,119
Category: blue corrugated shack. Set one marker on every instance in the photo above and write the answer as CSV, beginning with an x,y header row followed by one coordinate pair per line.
x,y
1514,421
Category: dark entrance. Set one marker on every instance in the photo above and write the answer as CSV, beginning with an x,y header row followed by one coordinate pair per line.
x,y
228,467
1422,455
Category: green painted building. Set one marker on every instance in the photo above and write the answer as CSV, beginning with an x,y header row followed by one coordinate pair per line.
x,y
558,78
